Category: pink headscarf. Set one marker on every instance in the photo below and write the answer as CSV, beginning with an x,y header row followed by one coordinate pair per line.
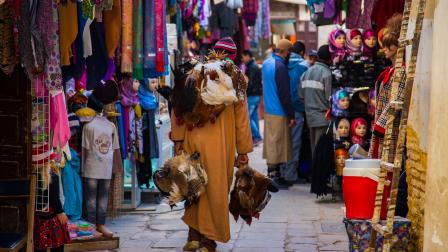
x,y
356,139
367,51
337,52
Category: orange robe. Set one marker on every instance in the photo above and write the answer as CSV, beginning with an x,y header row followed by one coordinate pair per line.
x,y
217,144
68,30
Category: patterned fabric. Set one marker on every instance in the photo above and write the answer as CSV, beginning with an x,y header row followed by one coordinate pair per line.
x,y
250,10
7,46
53,75
359,14
359,231
337,52
383,109
48,231
263,23
126,41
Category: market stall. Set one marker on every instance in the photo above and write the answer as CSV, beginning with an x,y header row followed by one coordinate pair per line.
x,y
93,68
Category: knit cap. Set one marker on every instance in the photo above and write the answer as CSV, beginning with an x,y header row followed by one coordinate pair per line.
x,y
228,46
40,153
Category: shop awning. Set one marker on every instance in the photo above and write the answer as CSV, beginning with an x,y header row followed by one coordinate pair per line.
x,y
283,27
293,1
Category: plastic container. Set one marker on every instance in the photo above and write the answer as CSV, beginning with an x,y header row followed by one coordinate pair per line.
x,y
360,180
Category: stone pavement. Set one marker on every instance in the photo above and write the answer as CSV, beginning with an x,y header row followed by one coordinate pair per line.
x,y
293,221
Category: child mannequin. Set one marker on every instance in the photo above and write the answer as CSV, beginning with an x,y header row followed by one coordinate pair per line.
x,y
99,142
340,104
359,130
340,156
337,44
343,134
370,48
354,44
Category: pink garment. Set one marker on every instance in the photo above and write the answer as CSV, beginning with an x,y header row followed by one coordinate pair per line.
x,y
39,87
160,29
59,120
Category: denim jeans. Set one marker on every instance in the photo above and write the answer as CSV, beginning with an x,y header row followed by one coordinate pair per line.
x,y
253,102
96,195
289,171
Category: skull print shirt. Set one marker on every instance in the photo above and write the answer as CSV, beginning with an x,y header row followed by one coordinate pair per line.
x,y
99,140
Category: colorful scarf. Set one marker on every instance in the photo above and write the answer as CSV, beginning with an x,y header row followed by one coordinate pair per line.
x,y
148,100
128,96
126,37
335,108
149,39
53,74
337,52
352,49
138,39
368,51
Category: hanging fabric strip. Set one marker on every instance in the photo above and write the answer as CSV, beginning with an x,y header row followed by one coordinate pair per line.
x,y
126,41
150,35
53,75
112,27
160,30
138,39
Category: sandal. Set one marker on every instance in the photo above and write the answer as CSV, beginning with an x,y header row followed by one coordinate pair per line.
x,y
192,246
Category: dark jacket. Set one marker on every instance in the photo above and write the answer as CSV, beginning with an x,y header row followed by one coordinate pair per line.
x,y
296,67
253,72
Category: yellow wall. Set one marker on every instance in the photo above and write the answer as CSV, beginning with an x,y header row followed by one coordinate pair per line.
x,y
436,204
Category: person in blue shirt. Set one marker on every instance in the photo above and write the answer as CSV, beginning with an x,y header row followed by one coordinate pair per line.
x,y
297,65
279,113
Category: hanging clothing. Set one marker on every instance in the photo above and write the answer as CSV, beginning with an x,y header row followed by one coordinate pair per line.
x,y
112,27
250,10
68,29
147,98
263,22
59,120
48,230
385,9
126,33
359,14
138,52
97,63
8,56
71,182
323,163
217,144
121,132
383,88
150,147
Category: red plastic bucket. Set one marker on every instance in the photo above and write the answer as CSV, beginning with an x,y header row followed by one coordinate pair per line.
x,y
359,191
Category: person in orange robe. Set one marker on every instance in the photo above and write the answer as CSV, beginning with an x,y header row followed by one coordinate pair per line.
x,y
217,144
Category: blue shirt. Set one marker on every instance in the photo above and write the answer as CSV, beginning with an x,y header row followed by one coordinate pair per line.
x,y
276,88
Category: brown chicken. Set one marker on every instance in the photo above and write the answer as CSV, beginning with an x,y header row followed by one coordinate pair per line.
x,y
250,194
183,178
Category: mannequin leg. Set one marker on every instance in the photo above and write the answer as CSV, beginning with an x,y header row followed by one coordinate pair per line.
x,y
91,189
102,202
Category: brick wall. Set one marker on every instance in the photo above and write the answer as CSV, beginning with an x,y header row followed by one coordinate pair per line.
x,y
416,165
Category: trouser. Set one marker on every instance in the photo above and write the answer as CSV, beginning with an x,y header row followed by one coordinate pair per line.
x,y
194,235
253,102
289,171
96,195
315,133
